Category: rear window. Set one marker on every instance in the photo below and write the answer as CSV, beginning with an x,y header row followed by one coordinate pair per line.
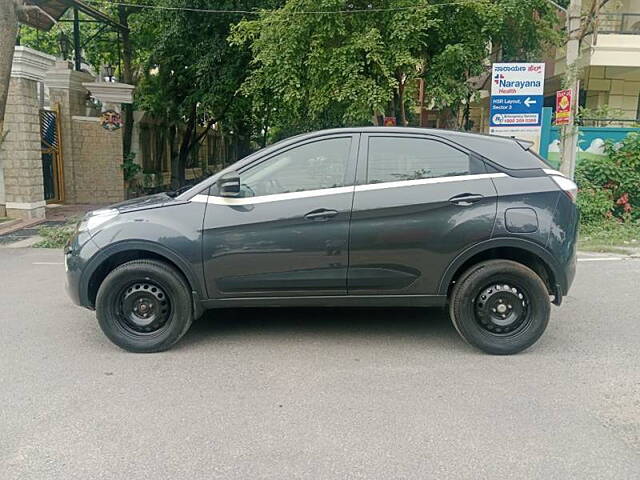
x,y
503,151
393,159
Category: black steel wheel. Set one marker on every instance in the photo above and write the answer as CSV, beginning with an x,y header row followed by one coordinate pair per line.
x,y
500,306
144,306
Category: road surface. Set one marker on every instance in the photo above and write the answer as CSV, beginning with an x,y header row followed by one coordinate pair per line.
x,y
317,394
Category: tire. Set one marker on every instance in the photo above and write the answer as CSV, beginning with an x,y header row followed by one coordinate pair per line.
x,y
500,306
144,306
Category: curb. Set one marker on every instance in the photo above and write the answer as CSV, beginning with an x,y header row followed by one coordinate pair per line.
x,y
18,224
26,243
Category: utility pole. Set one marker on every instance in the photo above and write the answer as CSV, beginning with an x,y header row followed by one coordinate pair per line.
x,y
570,132
77,48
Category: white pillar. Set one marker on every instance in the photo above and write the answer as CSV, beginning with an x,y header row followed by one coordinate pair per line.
x,y
111,94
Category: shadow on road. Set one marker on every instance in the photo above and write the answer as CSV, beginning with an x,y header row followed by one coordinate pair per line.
x,y
394,323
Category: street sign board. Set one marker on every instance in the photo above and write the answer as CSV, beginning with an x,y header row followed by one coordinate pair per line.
x,y
563,107
517,98
516,110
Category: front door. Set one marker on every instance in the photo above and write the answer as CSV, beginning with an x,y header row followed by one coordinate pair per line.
x,y
418,202
287,234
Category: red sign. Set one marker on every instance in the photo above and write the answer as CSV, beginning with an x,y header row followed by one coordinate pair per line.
x,y
389,121
563,107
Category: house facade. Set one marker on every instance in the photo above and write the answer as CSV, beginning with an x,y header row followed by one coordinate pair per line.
x,y
609,70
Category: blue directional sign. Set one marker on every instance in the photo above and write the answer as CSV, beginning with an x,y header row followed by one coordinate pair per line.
x,y
517,91
516,111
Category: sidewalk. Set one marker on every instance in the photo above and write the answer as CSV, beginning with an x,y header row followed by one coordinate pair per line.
x,y
24,232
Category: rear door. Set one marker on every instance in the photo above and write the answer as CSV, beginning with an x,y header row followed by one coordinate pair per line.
x,y
418,202
287,235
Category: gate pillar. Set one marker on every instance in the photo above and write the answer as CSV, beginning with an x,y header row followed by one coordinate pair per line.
x,y
20,154
66,90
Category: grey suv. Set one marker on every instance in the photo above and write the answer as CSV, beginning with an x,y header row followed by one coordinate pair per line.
x,y
347,217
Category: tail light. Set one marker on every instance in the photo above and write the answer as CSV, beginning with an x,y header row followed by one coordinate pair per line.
x,y
565,184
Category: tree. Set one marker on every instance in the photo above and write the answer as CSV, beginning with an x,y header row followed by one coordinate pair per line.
x,y
321,70
193,75
338,67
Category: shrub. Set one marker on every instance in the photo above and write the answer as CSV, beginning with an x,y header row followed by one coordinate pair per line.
x,y
595,204
614,178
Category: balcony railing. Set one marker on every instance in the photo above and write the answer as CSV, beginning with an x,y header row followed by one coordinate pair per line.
x,y
621,23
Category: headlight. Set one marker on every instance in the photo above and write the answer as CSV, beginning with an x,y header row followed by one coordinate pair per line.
x,y
96,218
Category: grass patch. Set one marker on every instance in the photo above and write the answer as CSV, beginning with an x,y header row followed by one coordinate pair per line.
x,y
611,236
4,219
55,237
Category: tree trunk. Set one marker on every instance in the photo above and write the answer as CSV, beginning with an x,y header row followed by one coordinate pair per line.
x,y
243,131
173,155
8,33
466,114
447,118
179,163
127,77
401,108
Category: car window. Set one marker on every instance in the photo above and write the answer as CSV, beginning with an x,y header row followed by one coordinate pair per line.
x,y
393,159
313,166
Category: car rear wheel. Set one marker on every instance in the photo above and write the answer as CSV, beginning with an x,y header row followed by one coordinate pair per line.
x,y
144,306
500,306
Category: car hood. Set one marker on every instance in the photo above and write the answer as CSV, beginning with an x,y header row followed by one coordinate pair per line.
x,y
143,203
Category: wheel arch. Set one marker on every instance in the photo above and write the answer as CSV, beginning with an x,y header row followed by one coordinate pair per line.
x,y
522,251
119,253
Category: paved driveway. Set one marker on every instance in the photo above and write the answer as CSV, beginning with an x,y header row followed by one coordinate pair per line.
x,y
318,394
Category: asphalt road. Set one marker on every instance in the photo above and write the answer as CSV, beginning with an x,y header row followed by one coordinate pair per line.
x,y
317,394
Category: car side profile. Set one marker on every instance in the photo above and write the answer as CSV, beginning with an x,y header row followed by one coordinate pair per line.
x,y
344,217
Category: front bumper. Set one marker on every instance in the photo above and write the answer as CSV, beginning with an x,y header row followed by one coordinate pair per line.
x,y
77,254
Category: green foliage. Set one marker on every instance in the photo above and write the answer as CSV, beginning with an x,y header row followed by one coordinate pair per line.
x,y
193,75
55,237
595,204
286,70
190,62
322,70
599,116
614,178
102,49
129,168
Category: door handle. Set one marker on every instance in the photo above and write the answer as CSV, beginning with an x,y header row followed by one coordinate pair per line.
x,y
321,214
466,199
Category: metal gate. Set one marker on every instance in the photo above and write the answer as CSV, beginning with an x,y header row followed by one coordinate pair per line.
x,y
52,163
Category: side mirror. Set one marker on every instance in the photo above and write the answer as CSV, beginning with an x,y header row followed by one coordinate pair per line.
x,y
229,184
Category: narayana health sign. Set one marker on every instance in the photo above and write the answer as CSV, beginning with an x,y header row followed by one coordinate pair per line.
x,y
517,94
517,97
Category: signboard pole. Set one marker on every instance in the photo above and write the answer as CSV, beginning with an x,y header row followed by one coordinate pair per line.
x,y
570,131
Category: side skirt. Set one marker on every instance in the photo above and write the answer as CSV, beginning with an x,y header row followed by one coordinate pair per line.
x,y
361,301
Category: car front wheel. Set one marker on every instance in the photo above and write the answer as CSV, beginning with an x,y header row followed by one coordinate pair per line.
x,y
144,306
500,306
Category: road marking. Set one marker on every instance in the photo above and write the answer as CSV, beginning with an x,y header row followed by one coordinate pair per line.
x,y
48,263
600,259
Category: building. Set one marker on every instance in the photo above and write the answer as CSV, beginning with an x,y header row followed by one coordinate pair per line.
x,y
610,58
610,73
